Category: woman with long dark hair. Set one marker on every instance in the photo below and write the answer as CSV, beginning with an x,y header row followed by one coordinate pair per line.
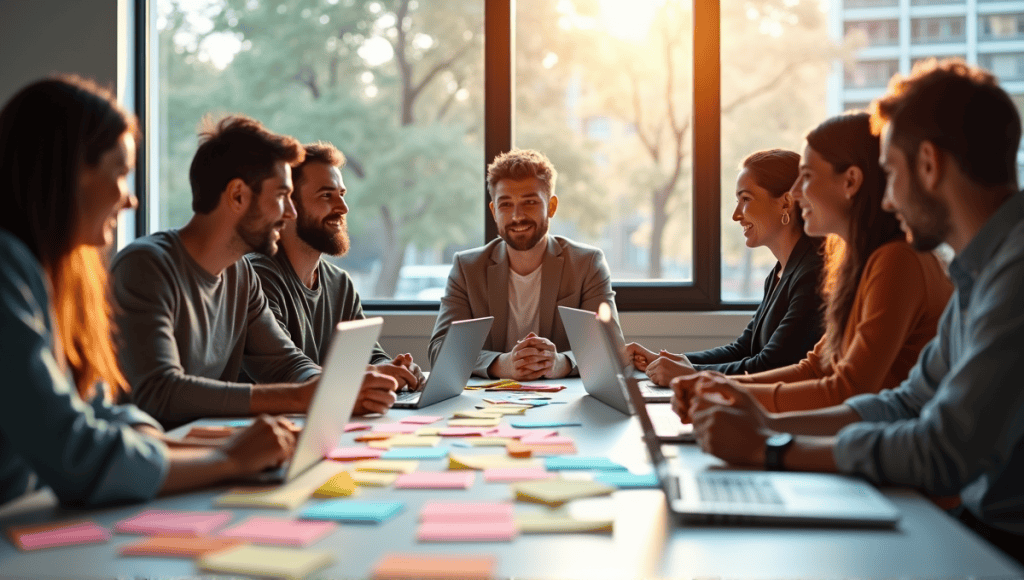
x,y
884,299
787,322
66,150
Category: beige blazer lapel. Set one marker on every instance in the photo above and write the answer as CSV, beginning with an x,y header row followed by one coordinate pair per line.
x,y
550,282
497,296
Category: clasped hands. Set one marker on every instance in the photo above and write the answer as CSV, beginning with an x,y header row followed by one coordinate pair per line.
x,y
532,358
728,422
660,367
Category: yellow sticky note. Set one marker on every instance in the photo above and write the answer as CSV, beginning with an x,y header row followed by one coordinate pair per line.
x,y
555,492
488,441
505,409
475,415
488,422
387,465
291,563
373,478
340,485
489,461
287,496
557,521
406,441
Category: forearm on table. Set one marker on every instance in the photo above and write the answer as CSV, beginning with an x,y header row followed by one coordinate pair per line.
x,y
810,453
276,399
818,422
194,468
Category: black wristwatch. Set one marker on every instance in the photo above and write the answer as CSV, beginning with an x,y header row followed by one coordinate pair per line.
x,y
774,448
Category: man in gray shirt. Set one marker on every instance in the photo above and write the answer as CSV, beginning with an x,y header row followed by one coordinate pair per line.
x,y
956,425
307,294
190,310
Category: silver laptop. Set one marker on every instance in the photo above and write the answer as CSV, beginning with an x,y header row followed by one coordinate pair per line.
x,y
761,497
335,397
600,351
455,362
595,365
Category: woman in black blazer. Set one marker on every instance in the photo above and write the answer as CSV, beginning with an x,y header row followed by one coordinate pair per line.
x,y
788,322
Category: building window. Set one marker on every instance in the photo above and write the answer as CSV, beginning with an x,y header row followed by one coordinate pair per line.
x,y
935,30
870,3
873,32
1008,67
1001,26
870,73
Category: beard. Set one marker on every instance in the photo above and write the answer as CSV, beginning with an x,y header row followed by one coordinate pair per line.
x,y
539,231
321,237
259,238
930,224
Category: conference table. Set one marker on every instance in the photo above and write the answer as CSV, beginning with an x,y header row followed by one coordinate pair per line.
x,y
645,541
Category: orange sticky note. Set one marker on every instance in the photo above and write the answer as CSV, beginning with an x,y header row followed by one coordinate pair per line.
x,y
416,566
177,546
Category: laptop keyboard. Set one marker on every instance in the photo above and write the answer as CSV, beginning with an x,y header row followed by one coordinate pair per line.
x,y
408,396
648,387
724,488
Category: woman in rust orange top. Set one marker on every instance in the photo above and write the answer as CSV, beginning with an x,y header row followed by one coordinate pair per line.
x,y
884,299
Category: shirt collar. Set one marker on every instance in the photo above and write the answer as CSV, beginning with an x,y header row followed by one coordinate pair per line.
x,y
967,265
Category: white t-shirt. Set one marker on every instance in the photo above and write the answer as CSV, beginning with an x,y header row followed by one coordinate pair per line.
x,y
523,306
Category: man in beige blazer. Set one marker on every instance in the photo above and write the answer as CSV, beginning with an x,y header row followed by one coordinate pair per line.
x,y
521,277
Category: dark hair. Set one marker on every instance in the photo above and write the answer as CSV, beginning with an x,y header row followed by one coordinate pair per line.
x,y
961,110
48,131
521,164
237,147
847,141
776,171
319,152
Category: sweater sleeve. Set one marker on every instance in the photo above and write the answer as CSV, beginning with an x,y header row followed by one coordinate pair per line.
x,y
47,429
892,295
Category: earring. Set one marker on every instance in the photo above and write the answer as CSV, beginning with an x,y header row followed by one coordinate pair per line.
x,y
785,218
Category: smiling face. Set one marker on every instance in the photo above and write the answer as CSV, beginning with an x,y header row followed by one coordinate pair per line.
x,y
923,218
758,212
321,208
103,192
260,226
822,195
522,209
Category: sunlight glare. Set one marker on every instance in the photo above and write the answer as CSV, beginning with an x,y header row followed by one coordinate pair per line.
x,y
376,51
629,19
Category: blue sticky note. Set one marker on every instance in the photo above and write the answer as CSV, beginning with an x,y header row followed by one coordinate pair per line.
x,y
415,453
348,510
627,480
559,462
238,423
545,424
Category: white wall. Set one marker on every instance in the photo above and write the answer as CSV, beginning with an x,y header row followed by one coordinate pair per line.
x,y
41,37
673,331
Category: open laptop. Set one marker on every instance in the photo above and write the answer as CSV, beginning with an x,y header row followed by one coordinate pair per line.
x,y
599,351
334,399
596,367
761,497
455,362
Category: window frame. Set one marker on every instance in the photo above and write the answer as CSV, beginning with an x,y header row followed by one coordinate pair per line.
x,y
702,294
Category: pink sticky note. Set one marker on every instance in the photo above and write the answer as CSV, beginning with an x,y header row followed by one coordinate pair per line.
x,y
421,419
356,427
446,511
358,452
545,440
60,534
436,480
514,433
462,432
403,428
495,531
180,523
512,474
279,531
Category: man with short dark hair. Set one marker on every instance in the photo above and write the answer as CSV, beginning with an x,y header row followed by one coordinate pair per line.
x,y
956,426
308,294
522,276
191,312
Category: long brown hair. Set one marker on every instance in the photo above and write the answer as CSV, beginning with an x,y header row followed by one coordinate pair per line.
x,y
48,130
846,141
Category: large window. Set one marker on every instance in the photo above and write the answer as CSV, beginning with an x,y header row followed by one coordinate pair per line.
x,y
407,89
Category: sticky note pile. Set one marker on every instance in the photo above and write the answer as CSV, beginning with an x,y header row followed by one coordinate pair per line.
x,y
275,562
346,510
51,535
179,523
556,492
422,567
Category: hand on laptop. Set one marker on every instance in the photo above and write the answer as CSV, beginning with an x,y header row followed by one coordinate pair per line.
x,y
665,368
640,356
404,371
267,443
727,421
377,393
684,388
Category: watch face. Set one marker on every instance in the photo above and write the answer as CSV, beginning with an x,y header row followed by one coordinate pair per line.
x,y
779,440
